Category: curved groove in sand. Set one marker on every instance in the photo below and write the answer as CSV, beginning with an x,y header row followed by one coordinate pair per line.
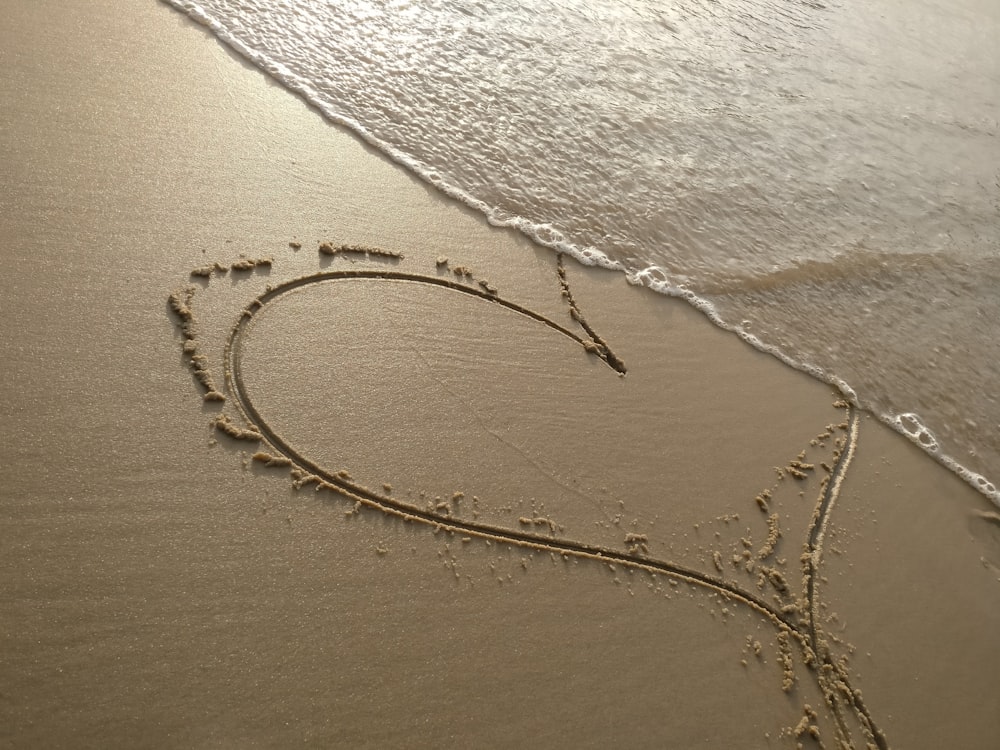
x,y
827,500
814,551
235,382
277,291
804,633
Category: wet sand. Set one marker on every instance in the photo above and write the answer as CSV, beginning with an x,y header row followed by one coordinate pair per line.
x,y
461,525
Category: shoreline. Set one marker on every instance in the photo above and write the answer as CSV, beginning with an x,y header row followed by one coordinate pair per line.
x,y
183,575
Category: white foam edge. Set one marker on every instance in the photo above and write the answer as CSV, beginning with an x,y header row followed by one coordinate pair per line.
x,y
653,277
907,424
543,234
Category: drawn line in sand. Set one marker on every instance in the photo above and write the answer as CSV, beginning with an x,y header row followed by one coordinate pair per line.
x,y
794,621
596,344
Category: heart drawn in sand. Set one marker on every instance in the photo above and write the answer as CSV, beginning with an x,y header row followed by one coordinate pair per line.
x,y
328,376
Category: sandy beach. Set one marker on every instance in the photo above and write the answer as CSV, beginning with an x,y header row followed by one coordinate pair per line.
x,y
471,494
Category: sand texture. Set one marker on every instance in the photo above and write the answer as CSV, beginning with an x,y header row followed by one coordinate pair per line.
x,y
299,452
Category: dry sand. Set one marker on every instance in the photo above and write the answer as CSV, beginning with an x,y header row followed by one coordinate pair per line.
x,y
161,588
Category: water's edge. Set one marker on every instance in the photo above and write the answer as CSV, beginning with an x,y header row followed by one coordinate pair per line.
x,y
653,277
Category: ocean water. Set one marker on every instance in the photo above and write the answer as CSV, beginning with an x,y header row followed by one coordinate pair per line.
x,y
822,178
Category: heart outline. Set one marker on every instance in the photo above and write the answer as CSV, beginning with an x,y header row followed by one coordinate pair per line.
x,y
804,632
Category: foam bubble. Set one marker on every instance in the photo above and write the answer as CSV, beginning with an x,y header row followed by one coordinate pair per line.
x,y
911,426
978,481
545,234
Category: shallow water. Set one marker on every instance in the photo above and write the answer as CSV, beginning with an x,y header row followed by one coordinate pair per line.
x,y
820,177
